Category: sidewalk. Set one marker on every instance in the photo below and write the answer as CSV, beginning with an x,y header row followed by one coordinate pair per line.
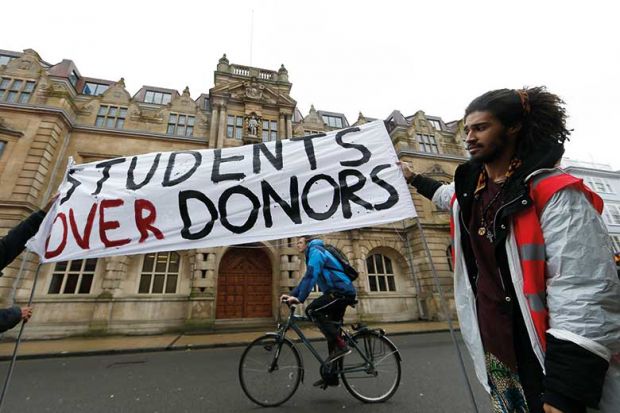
x,y
80,346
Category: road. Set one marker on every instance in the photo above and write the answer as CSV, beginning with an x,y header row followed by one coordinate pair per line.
x,y
206,381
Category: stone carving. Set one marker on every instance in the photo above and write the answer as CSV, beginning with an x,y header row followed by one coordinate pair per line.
x,y
254,90
253,126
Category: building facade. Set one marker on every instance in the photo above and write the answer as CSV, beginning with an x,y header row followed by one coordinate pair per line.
x,y
50,112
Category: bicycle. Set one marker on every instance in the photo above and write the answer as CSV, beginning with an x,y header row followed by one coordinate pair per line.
x,y
271,367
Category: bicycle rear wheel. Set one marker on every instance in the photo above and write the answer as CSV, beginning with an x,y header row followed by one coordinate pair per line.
x,y
270,370
378,380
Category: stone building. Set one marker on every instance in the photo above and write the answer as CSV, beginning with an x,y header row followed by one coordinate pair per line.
x,y
50,112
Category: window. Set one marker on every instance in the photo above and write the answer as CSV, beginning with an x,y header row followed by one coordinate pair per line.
x,y
160,272
160,98
73,78
332,121
73,277
380,273
427,143
611,214
615,240
436,124
180,125
94,89
311,132
112,117
4,59
234,127
2,146
270,130
16,90
599,185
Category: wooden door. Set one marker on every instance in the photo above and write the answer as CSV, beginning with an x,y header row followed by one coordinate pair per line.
x,y
244,284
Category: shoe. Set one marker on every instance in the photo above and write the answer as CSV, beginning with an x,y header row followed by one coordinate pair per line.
x,y
338,353
320,383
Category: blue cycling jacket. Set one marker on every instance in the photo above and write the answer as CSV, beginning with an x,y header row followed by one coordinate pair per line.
x,y
322,269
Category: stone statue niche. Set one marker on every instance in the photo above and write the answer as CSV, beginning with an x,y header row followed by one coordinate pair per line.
x,y
253,125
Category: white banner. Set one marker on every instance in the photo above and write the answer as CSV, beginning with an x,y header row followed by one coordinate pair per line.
x,y
205,198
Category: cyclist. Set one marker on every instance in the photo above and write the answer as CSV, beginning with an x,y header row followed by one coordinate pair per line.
x,y
327,311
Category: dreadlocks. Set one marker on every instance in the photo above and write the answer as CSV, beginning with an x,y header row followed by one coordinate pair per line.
x,y
541,115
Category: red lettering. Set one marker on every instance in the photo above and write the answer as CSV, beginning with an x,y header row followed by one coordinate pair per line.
x,y
145,223
83,241
108,225
63,242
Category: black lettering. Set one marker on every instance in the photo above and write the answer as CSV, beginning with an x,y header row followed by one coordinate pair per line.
x,y
347,192
131,182
216,176
171,161
249,223
309,147
364,150
292,209
74,184
393,198
184,196
320,216
106,165
276,160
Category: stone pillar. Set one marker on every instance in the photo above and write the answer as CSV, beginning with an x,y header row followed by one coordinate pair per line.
x,y
202,298
289,126
281,127
221,133
115,271
213,127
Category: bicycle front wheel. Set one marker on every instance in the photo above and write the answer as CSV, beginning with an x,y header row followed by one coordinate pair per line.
x,y
374,377
270,370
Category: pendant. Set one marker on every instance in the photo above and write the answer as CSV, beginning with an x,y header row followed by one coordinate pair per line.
x,y
482,231
490,236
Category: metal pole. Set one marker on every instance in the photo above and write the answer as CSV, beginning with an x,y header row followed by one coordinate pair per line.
x,y
19,337
418,287
444,305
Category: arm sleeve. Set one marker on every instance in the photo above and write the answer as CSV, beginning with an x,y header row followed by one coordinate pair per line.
x,y
440,194
583,298
15,241
9,317
316,261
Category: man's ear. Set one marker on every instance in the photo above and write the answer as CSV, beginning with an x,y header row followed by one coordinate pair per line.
x,y
514,130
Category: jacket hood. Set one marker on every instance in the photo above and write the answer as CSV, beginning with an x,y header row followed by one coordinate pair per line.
x,y
315,243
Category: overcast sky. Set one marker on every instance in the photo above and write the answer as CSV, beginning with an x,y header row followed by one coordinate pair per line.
x,y
351,56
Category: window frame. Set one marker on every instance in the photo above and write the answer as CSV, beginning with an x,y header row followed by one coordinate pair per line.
x,y
25,89
98,86
234,129
599,185
611,213
106,117
153,273
164,97
337,121
615,242
68,272
373,272
271,132
426,143
187,127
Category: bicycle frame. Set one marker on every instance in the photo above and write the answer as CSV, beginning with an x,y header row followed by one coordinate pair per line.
x,y
291,324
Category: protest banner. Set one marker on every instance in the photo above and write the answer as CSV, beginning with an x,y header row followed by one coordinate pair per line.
x,y
205,198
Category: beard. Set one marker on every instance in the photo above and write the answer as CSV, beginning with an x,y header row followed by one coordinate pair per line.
x,y
493,150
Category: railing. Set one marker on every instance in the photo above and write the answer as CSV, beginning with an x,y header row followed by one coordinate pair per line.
x,y
247,71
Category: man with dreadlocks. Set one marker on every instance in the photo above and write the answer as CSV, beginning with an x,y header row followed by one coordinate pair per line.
x,y
536,292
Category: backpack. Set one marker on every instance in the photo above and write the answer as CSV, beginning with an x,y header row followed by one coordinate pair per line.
x,y
348,269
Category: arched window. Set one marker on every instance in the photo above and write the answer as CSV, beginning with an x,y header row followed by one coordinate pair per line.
x,y
160,272
380,273
73,277
449,257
